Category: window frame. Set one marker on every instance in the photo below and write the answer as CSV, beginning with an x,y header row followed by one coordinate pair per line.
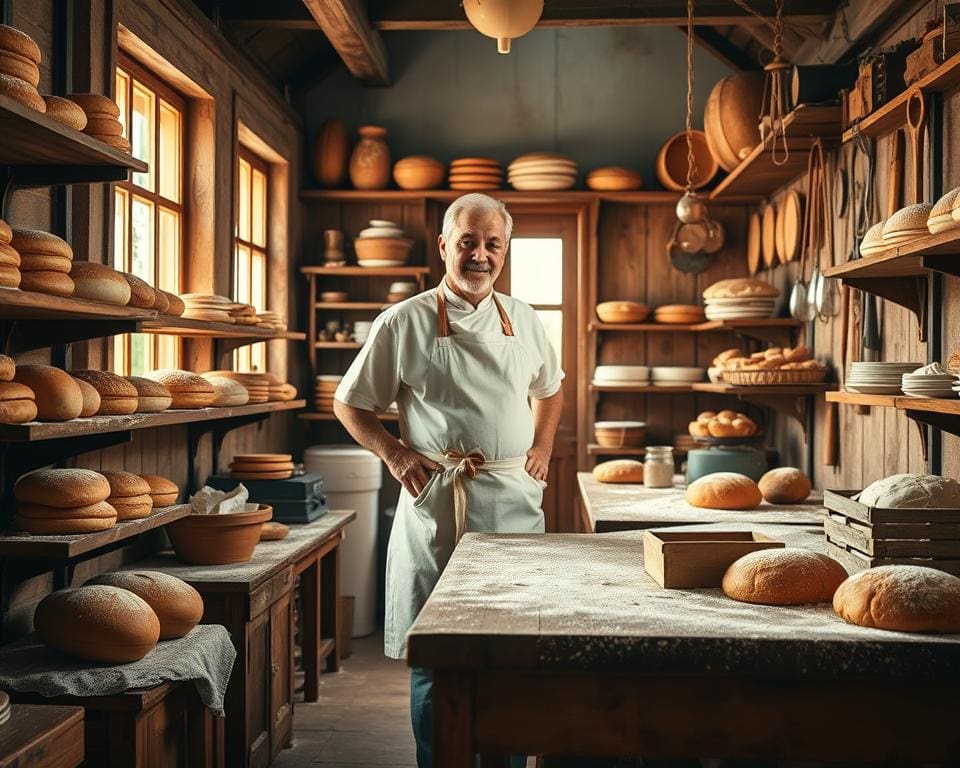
x,y
256,163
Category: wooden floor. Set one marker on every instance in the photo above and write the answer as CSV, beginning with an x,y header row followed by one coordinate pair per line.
x,y
362,718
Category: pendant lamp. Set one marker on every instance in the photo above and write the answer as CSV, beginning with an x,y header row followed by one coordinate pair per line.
x,y
503,19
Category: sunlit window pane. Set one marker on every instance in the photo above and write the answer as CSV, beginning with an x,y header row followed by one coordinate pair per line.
x,y
169,152
121,230
536,270
120,361
168,244
241,359
243,274
142,134
552,320
258,356
168,351
142,251
243,209
123,86
141,354
258,281
259,209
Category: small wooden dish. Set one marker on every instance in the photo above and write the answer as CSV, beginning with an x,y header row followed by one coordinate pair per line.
x,y
331,297
218,539
768,236
697,559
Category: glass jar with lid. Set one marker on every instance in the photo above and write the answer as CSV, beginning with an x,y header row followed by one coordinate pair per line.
x,y
658,467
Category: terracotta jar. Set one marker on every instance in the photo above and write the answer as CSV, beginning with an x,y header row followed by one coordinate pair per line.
x,y
370,161
331,151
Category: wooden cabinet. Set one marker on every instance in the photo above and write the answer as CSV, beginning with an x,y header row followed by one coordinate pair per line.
x,y
281,670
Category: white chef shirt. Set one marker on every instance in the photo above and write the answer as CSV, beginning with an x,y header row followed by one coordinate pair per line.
x,y
402,338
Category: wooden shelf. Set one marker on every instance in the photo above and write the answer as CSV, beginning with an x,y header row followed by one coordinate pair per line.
x,y
601,450
759,175
638,197
324,416
778,330
858,398
357,306
365,271
338,345
648,389
39,151
185,326
893,114
783,390
73,545
96,425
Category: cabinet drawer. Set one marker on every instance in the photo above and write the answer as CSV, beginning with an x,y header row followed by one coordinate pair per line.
x,y
266,595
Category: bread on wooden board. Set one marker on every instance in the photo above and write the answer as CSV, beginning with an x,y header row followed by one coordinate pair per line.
x,y
788,576
785,485
178,606
619,471
724,490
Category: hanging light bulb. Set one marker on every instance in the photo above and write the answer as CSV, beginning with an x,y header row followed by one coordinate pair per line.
x,y
776,99
690,208
503,19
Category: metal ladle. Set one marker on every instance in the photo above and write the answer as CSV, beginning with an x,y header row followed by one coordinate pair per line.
x,y
801,307
828,294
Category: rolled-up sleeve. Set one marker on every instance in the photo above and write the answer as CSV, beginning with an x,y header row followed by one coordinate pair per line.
x,y
372,381
548,378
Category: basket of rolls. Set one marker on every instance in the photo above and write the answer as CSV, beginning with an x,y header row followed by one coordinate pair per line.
x,y
725,427
777,365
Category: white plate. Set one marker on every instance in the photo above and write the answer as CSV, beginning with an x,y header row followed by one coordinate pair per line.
x,y
383,223
382,262
868,389
380,232
676,373
621,372
619,424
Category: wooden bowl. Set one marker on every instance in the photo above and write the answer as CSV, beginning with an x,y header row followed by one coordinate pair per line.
x,y
418,172
623,434
613,179
730,118
334,296
217,539
790,223
672,162
622,312
382,249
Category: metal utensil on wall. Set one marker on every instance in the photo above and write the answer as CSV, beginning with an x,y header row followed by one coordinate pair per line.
x,y
871,324
801,306
827,296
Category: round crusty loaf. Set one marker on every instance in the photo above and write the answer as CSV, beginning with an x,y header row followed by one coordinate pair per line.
x,y
62,487
141,294
37,241
912,491
132,507
153,397
9,256
22,91
785,485
229,392
98,282
45,281
619,471
124,484
21,67
178,606
98,623
163,490
187,389
274,531
102,509
175,307
95,104
160,301
906,598
6,232
56,392
7,368
724,490
783,577
18,42
103,126
91,398
740,287
17,404
10,277
45,262
41,526
66,111
117,395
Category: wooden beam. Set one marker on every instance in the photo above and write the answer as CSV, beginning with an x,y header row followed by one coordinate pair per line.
x,y
444,14
724,50
345,24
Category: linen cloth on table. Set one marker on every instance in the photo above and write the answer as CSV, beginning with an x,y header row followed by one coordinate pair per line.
x,y
204,656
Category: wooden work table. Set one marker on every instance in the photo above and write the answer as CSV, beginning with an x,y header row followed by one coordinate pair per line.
x,y
607,507
568,647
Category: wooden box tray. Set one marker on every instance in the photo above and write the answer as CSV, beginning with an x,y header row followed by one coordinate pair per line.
x,y
697,559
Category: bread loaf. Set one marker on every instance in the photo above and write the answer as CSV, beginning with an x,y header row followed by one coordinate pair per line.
x,y
178,606
117,395
48,282
152,396
187,389
783,577
229,392
22,91
160,302
9,256
274,531
15,65
98,623
91,398
17,404
7,368
41,519
724,490
98,282
739,287
66,112
56,392
18,42
913,492
141,294
785,485
45,262
905,598
163,491
95,104
619,471
126,484
62,487
176,306
37,241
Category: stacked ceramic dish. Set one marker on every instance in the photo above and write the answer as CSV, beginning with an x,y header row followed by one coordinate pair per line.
x,y
272,321
738,298
542,171
361,330
620,434
679,314
382,244
674,376
325,388
475,173
877,378
906,225
208,306
945,214
261,466
418,172
621,375
929,381
613,179
400,291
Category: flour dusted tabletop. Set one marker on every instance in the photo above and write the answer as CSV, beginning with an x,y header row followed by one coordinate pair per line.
x,y
585,603
625,507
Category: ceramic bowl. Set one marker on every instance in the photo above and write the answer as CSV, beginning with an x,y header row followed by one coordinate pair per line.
x,y
404,287
622,372
218,539
622,312
381,249
381,232
418,172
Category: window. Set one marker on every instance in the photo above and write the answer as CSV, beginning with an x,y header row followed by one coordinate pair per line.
x,y
250,251
148,209
536,277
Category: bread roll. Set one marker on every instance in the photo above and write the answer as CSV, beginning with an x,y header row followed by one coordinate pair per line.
x,y
66,112
98,282
698,429
274,531
6,232
724,490
912,492
56,392
178,606
176,306
42,526
22,91
7,368
905,598
21,67
229,392
785,485
783,577
95,104
619,471
188,390
163,491
132,507
45,262
117,395
9,256
50,283
91,398
62,487
37,241
141,294
18,42
152,396
17,403
126,484
98,623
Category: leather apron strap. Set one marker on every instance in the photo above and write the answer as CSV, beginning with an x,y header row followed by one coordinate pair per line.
x,y
443,322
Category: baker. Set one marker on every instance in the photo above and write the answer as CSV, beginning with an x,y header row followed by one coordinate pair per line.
x,y
477,385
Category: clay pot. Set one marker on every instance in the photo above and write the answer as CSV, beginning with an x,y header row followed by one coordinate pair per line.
x,y
418,172
382,251
732,117
370,161
672,162
331,153
217,539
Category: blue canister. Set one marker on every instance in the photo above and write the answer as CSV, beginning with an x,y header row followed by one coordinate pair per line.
x,y
746,460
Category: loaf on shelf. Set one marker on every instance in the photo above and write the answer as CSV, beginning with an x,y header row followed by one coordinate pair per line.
x,y
103,121
229,392
98,282
178,606
163,491
91,398
129,495
65,111
724,490
118,397
57,393
20,68
17,403
187,389
141,293
784,485
45,262
60,501
152,396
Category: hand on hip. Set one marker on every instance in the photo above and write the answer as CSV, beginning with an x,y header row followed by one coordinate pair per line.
x,y
411,469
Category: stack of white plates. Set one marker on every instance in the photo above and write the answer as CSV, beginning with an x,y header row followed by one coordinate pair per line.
x,y
670,376
740,308
361,329
877,378
621,374
929,384
382,228
542,171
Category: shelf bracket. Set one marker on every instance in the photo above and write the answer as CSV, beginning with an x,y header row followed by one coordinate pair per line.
x,y
945,422
909,292
793,406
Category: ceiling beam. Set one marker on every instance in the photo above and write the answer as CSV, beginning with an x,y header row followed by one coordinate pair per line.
x,y
345,24
444,14
721,48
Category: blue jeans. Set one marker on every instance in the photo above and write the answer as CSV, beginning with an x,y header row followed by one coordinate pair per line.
x,y
421,714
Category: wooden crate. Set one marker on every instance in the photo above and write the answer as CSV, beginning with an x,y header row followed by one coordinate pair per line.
x,y
697,559
863,537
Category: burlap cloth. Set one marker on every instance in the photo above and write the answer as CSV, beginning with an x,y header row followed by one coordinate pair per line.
x,y
204,656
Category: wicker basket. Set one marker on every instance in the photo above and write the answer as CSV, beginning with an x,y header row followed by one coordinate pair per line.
x,y
775,376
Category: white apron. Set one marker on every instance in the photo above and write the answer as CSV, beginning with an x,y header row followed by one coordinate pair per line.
x,y
470,414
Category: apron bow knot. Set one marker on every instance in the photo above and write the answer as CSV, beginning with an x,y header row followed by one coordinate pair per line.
x,y
467,463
